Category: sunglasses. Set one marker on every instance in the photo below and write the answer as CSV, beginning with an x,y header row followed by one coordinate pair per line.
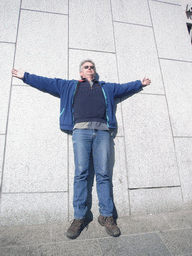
x,y
91,67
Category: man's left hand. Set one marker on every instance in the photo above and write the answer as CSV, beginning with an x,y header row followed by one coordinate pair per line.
x,y
146,81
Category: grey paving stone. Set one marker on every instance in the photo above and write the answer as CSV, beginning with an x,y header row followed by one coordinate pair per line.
x,y
15,251
142,224
179,242
81,248
128,226
147,244
181,219
152,238
24,235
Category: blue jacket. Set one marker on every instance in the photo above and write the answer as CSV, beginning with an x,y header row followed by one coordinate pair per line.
x,y
65,90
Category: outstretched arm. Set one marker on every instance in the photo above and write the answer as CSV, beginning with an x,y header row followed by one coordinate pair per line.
x,y
120,90
53,86
146,81
19,73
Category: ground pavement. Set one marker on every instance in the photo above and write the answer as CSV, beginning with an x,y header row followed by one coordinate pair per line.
x,y
161,234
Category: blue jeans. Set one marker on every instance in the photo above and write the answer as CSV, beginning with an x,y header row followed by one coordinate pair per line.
x,y
97,143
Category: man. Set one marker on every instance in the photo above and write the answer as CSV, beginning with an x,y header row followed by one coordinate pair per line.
x,y
87,109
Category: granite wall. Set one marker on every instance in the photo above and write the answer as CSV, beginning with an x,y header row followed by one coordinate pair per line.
x,y
151,159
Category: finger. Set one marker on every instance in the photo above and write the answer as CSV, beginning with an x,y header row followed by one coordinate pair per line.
x,y
14,72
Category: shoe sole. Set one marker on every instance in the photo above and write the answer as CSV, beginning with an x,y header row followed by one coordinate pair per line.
x,y
72,237
111,234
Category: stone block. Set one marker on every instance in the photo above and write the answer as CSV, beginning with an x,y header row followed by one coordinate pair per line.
x,y
177,79
2,145
178,241
36,153
6,64
33,208
83,247
71,178
9,12
140,224
136,12
179,220
47,6
20,235
184,157
171,34
137,56
119,178
178,2
118,113
42,44
90,25
150,150
153,201
142,244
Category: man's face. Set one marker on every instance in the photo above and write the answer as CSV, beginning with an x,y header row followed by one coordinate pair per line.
x,y
87,70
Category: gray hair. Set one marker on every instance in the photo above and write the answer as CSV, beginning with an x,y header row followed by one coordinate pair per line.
x,y
80,66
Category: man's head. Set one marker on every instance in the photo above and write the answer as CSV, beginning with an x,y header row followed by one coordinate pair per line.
x,y
87,69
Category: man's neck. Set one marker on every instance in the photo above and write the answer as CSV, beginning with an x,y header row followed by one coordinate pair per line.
x,y
89,78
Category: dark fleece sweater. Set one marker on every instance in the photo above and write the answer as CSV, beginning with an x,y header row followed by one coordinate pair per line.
x,y
89,103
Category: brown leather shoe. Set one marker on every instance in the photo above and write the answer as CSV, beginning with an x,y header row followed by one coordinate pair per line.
x,y
76,227
110,225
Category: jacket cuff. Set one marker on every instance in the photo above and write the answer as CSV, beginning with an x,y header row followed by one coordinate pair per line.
x,y
25,76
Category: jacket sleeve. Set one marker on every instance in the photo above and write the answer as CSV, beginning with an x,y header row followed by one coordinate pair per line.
x,y
121,90
50,85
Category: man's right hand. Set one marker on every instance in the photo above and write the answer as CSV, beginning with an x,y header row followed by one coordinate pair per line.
x,y
19,73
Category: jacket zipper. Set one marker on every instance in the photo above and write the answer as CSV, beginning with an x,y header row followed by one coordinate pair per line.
x,y
74,97
106,104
